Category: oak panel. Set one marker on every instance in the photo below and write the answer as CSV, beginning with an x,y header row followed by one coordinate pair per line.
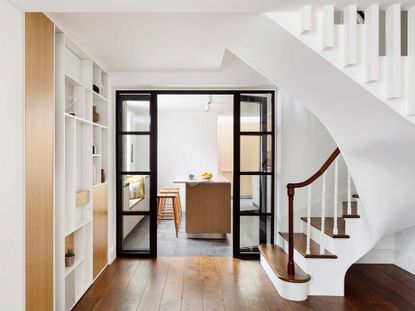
x,y
100,224
39,160
208,208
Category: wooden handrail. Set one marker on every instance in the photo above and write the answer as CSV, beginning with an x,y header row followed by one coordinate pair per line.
x,y
291,192
320,172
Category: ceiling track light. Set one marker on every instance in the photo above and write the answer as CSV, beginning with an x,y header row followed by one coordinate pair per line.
x,y
207,106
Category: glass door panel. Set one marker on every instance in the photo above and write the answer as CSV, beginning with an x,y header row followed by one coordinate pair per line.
x,y
254,172
136,174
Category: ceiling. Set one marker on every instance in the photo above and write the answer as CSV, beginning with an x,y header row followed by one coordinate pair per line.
x,y
182,6
221,104
148,42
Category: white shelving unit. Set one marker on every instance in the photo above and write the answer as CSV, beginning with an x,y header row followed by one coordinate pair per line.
x,y
78,165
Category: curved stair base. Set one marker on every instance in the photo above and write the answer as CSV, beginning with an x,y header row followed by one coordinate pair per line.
x,y
274,262
287,290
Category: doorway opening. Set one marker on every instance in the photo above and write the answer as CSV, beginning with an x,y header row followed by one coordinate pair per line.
x,y
167,144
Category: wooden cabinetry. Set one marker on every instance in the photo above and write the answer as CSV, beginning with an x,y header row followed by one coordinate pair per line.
x,y
39,143
100,220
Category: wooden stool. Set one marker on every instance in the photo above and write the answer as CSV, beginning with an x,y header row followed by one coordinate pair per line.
x,y
174,214
175,191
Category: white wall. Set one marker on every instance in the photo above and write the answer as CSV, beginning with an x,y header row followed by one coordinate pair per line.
x,y
405,249
187,144
11,159
303,145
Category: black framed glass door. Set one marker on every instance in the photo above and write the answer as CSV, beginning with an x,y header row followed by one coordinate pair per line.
x,y
136,126
254,165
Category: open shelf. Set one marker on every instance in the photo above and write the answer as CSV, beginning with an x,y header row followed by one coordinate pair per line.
x,y
76,134
79,224
67,115
77,262
99,97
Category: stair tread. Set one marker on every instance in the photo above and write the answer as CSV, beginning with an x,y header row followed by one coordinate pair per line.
x,y
354,213
329,224
300,244
277,259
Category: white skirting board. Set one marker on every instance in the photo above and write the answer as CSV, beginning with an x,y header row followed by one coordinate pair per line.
x,y
287,290
389,256
112,254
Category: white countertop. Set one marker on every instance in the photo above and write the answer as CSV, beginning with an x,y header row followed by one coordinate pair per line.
x,y
184,179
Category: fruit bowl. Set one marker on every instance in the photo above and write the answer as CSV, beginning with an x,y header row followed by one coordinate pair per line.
x,y
206,175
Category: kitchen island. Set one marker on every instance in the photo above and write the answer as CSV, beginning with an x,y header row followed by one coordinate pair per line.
x,y
208,206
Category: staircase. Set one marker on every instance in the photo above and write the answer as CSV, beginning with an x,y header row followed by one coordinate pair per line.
x,y
325,248
352,42
367,108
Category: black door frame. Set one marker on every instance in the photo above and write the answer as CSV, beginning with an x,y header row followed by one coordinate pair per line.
x,y
125,94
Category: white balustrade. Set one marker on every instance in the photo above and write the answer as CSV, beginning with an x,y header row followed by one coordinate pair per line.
x,y
323,213
327,29
410,103
336,186
349,193
305,19
372,42
393,51
350,35
308,220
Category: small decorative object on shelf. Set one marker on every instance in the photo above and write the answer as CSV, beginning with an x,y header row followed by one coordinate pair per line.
x,y
102,176
95,115
69,257
72,102
95,88
94,149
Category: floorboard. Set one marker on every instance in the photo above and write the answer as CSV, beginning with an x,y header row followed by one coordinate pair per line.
x,y
224,283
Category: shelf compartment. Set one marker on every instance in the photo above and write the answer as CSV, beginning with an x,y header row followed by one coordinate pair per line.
x,y
79,225
78,119
82,198
77,262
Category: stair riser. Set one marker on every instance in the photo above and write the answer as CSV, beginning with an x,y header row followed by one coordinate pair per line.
x,y
329,242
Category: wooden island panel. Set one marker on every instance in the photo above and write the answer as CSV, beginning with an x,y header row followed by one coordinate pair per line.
x,y
208,208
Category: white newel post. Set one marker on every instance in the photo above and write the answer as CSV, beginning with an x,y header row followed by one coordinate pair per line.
x,y
323,213
307,252
336,185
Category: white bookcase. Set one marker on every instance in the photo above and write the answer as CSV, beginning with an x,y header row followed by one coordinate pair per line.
x,y
80,155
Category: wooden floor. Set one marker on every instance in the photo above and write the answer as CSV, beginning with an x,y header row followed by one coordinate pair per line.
x,y
220,283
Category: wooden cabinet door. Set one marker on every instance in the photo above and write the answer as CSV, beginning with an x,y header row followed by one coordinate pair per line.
x,y
100,223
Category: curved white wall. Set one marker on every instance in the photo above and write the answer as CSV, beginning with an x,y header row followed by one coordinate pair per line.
x,y
378,144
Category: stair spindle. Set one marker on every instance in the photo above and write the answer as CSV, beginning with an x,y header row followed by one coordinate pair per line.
x,y
336,185
323,213
308,252
349,193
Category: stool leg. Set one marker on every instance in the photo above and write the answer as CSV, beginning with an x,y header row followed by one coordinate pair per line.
x,y
176,217
179,208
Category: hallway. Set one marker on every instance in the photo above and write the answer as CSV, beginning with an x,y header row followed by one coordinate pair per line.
x,y
218,283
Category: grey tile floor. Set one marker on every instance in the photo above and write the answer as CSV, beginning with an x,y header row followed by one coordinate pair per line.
x,y
169,245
